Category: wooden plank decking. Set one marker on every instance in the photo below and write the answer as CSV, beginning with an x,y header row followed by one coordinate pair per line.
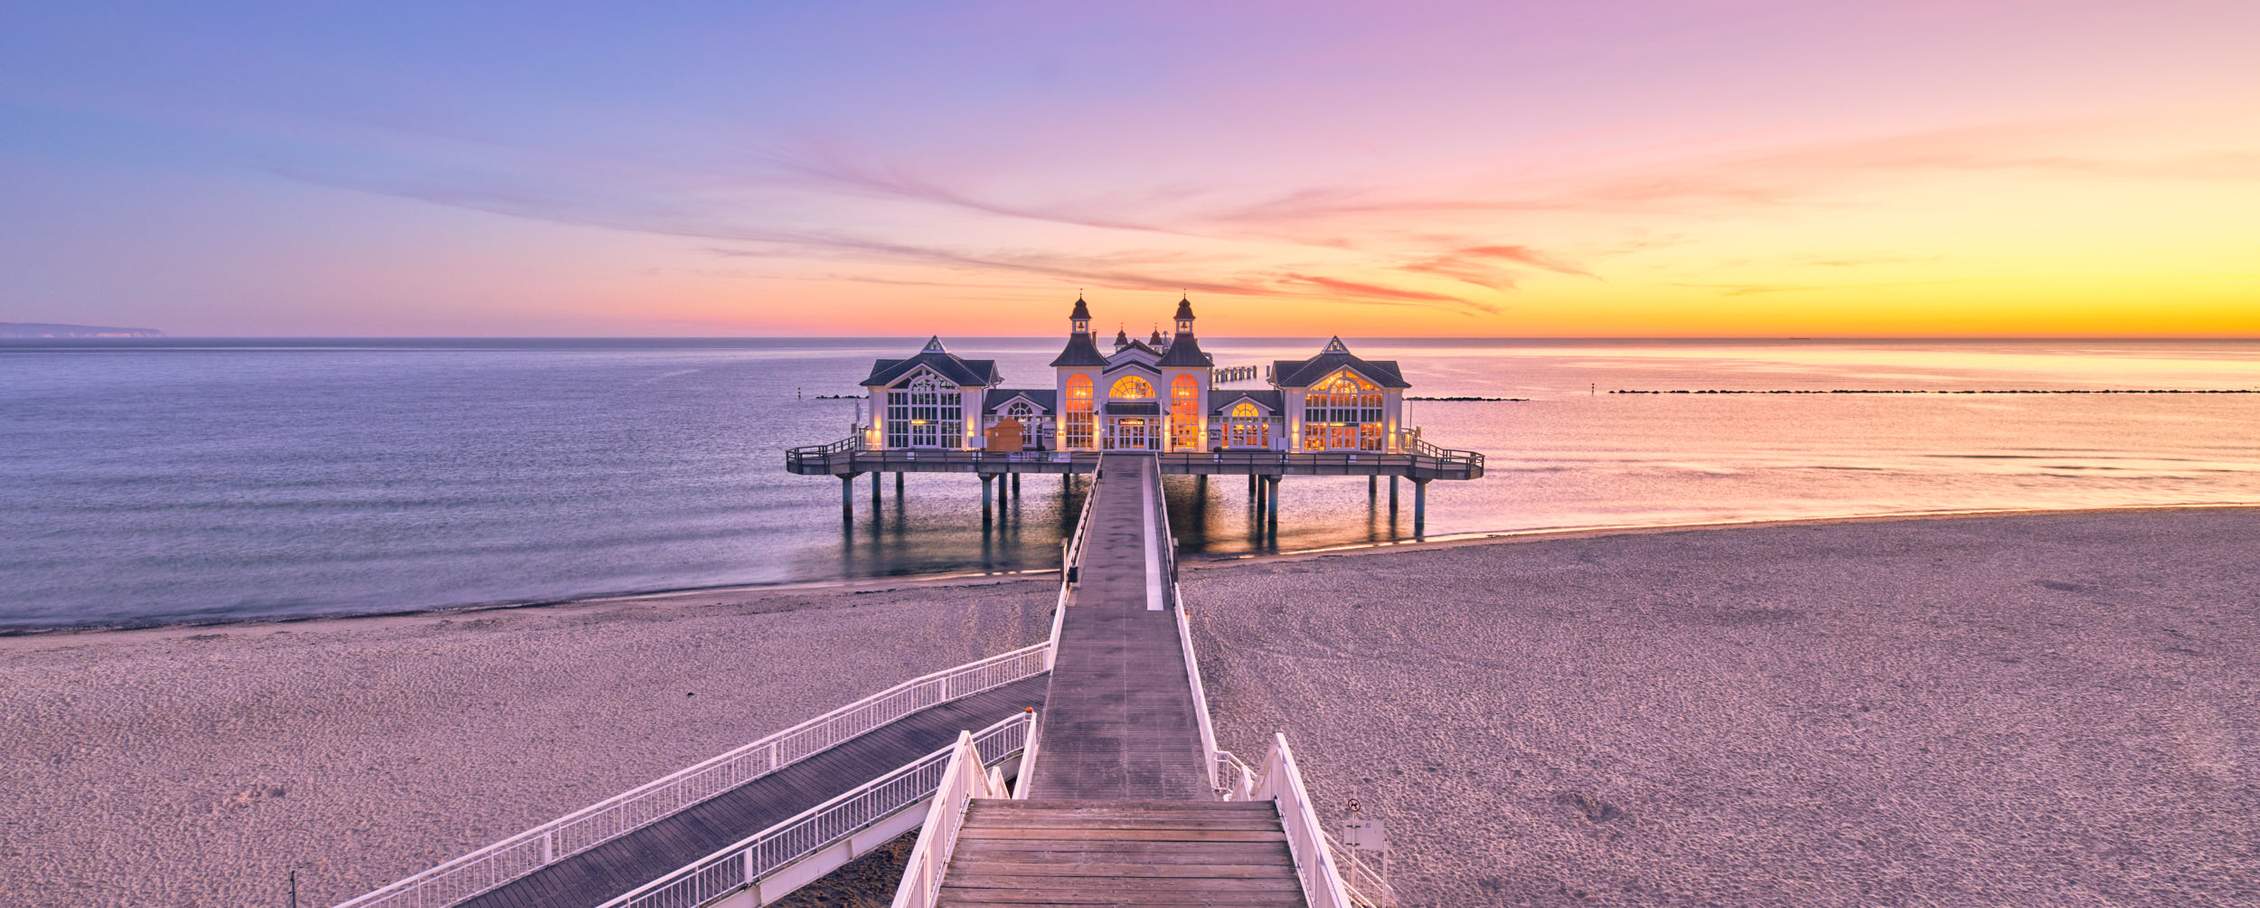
x,y
1118,720
1084,852
608,870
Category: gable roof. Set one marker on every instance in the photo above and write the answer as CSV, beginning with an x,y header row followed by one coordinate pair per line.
x,y
1268,398
994,399
938,358
1131,363
1288,373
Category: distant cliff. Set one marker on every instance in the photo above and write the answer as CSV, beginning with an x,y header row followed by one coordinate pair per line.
x,y
36,329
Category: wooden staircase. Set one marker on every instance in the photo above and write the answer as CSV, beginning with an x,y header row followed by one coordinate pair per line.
x,y
1089,852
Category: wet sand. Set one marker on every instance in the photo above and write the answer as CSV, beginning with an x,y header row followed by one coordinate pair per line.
x,y
2033,710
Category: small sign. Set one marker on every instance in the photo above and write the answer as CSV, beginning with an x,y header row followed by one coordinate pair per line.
x,y
1365,834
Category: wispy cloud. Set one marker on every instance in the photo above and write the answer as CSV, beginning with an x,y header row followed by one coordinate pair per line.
x,y
837,170
1796,174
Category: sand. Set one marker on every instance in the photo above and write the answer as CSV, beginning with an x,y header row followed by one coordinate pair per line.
x,y
198,767
2037,710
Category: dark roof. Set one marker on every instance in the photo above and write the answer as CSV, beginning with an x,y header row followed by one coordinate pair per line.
x,y
995,398
1134,407
1185,351
1184,308
1121,338
943,362
1079,351
1134,364
1288,373
1082,309
1267,398
1155,340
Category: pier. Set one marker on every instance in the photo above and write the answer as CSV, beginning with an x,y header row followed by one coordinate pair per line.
x,y
1334,413
1082,769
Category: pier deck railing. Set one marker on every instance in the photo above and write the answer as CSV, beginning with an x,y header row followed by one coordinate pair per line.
x,y
1420,460
556,840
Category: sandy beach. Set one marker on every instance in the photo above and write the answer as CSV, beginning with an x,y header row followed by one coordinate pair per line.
x,y
2028,710
2032,710
197,767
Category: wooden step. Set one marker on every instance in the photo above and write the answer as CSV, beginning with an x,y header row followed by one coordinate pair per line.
x,y
1138,853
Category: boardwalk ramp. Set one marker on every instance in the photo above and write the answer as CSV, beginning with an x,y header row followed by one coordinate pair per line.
x,y
1120,717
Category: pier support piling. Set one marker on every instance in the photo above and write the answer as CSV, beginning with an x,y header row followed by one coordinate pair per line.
x,y
1420,508
847,498
986,479
876,476
1271,501
898,486
1372,488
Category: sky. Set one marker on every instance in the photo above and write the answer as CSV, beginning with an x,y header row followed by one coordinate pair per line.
x,y
1506,169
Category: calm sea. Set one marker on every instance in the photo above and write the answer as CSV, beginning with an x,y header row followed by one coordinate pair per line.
x,y
181,481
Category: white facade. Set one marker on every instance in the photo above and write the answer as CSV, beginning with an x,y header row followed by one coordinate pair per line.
x,y
1153,395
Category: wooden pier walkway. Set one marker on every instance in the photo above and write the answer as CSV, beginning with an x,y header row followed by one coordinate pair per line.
x,y
1118,720
1120,810
599,874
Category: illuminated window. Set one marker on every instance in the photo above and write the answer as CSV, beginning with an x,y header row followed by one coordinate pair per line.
x,y
1185,413
1247,427
1077,412
1343,412
925,413
1131,387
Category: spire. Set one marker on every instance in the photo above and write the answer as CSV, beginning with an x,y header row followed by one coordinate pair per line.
x,y
1079,320
1335,345
1121,337
1156,339
934,345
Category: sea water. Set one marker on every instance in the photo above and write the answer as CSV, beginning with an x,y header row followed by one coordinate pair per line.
x,y
168,481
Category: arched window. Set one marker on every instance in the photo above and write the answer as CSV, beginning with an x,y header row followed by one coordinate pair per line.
x,y
1185,413
1343,412
924,412
1076,410
1247,427
1131,387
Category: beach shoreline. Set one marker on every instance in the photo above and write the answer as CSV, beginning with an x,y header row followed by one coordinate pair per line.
x,y
1191,562
1660,716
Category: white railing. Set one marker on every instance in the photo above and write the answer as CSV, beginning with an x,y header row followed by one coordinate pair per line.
x,y
744,863
1216,779
526,852
962,781
1281,781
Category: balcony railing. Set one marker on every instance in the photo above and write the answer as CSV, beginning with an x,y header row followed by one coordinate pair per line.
x,y
1419,457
